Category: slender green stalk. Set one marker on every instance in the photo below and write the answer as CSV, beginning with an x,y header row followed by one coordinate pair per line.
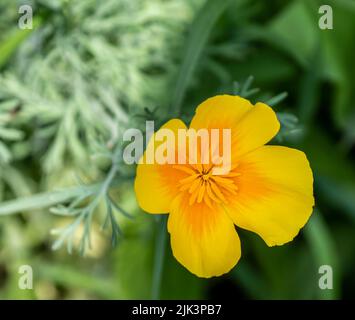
x,y
199,33
160,246
44,200
9,46
48,199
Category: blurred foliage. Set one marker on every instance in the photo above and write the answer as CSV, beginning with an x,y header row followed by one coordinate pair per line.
x,y
90,69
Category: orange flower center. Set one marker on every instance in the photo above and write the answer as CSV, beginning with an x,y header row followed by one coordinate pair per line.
x,y
203,186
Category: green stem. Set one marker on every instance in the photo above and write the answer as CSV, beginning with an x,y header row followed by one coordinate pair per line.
x,y
110,177
43,200
14,40
160,246
48,199
200,31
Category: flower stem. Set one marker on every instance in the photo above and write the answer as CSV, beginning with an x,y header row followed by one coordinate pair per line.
x,y
160,246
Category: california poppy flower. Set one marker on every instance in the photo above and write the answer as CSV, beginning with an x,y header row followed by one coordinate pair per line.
x,y
269,189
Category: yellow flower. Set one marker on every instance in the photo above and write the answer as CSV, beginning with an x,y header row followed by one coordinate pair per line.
x,y
269,189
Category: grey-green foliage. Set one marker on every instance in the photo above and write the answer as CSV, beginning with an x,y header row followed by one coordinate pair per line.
x,y
87,68
7,112
290,126
8,11
80,80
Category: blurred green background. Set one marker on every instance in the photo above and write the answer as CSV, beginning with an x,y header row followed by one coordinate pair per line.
x,y
90,69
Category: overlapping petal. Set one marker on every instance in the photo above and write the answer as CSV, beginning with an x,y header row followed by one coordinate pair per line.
x,y
254,130
155,184
275,196
223,111
203,239
251,126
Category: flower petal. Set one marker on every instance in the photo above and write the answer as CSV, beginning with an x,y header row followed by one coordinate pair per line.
x,y
222,111
203,239
255,129
156,184
251,126
275,193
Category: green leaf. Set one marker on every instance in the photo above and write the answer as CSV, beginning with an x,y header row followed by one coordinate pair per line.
x,y
295,30
43,200
11,134
324,251
334,171
132,266
14,40
338,48
196,42
73,277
